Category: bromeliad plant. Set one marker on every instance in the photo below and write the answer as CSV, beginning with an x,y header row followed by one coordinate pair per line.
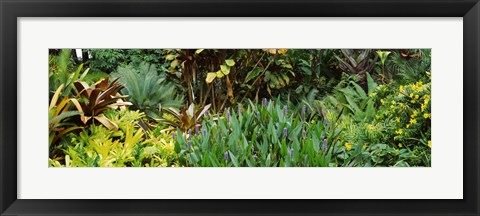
x,y
185,119
101,147
129,146
357,62
94,100
59,114
60,73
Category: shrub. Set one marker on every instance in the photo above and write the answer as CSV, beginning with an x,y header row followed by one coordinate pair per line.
x,y
147,90
259,136
61,72
95,99
97,146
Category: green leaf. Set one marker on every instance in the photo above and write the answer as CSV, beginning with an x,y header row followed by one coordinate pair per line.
x,y
174,63
63,116
289,66
371,84
234,159
219,74
198,51
383,55
84,74
225,69
268,160
359,89
150,150
212,161
253,74
353,105
249,163
285,77
74,76
306,70
230,62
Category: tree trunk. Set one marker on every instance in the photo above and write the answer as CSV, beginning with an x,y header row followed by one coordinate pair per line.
x,y
84,55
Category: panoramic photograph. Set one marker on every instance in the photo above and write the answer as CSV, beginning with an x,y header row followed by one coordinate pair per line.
x,y
239,108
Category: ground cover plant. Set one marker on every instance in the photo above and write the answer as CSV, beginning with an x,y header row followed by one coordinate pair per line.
x,y
239,108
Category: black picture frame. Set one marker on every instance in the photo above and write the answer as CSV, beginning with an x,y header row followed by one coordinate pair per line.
x,y
10,10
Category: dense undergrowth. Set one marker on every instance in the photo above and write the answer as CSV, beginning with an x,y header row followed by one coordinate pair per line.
x,y
240,108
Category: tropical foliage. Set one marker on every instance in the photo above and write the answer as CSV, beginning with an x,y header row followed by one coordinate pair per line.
x,y
240,108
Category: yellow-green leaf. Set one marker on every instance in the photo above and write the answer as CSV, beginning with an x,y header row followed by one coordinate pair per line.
x,y
225,69
79,108
230,62
289,66
198,51
174,63
55,97
106,122
67,160
219,74
210,77
170,57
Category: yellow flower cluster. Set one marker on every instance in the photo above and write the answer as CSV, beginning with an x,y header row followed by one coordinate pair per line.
x,y
414,114
348,146
393,104
418,86
410,108
426,99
